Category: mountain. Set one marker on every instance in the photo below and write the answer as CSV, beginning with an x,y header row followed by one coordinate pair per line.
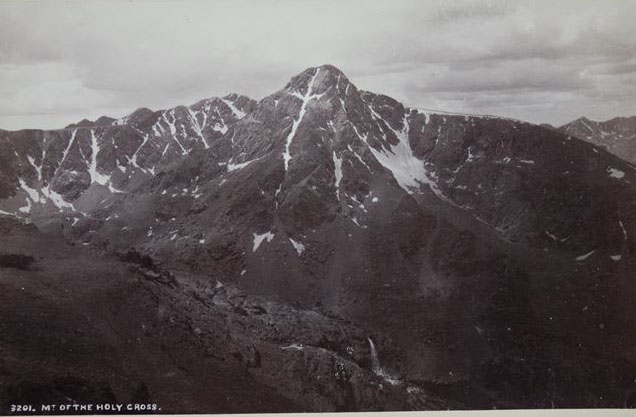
x,y
72,169
469,261
617,135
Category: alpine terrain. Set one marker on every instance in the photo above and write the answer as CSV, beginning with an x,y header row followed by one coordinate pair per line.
x,y
617,135
322,249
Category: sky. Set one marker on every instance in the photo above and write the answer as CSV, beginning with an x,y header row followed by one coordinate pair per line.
x,y
536,60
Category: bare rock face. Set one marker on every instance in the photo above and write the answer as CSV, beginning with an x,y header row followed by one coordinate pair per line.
x,y
465,260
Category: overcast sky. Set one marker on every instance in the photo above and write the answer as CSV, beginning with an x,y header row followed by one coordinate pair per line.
x,y
541,61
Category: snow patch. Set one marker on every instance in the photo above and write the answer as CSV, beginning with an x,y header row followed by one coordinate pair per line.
x,y
616,258
33,194
337,162
615,173
620,223
258,239
408,171
232,167
57,199
237,112
27,208
300,248
173,129
293,346
303,109
96,176
585,256
551,236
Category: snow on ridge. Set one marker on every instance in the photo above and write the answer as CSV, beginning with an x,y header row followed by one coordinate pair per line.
x,y
303,109
258,239
300,248
237,112
432,112
337,162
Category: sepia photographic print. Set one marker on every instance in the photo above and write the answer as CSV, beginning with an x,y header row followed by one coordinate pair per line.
x,y
284,206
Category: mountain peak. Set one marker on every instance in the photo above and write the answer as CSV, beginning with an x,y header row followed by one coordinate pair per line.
x,y
321,78
584,119
137,116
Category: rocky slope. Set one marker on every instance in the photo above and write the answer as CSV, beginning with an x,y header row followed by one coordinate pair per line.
x,y
617,135
488,261
95,329
72,170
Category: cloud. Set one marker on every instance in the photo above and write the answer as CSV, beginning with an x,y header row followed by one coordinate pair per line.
x,y
79,59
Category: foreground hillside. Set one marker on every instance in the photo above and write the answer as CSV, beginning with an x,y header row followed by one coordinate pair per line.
x,y
95,329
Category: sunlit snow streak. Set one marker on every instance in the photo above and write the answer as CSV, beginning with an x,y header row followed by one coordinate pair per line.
x,y
57,199
303,109
31,192
620,223
337,162
173,129
68,148
238,113
95,175
233,167
585,256
198,128
133,159
38,169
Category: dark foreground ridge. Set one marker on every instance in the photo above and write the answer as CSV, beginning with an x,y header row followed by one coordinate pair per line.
x,y
323,249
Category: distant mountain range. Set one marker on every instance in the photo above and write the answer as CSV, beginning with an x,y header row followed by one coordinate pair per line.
x,y
329,247
617,135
